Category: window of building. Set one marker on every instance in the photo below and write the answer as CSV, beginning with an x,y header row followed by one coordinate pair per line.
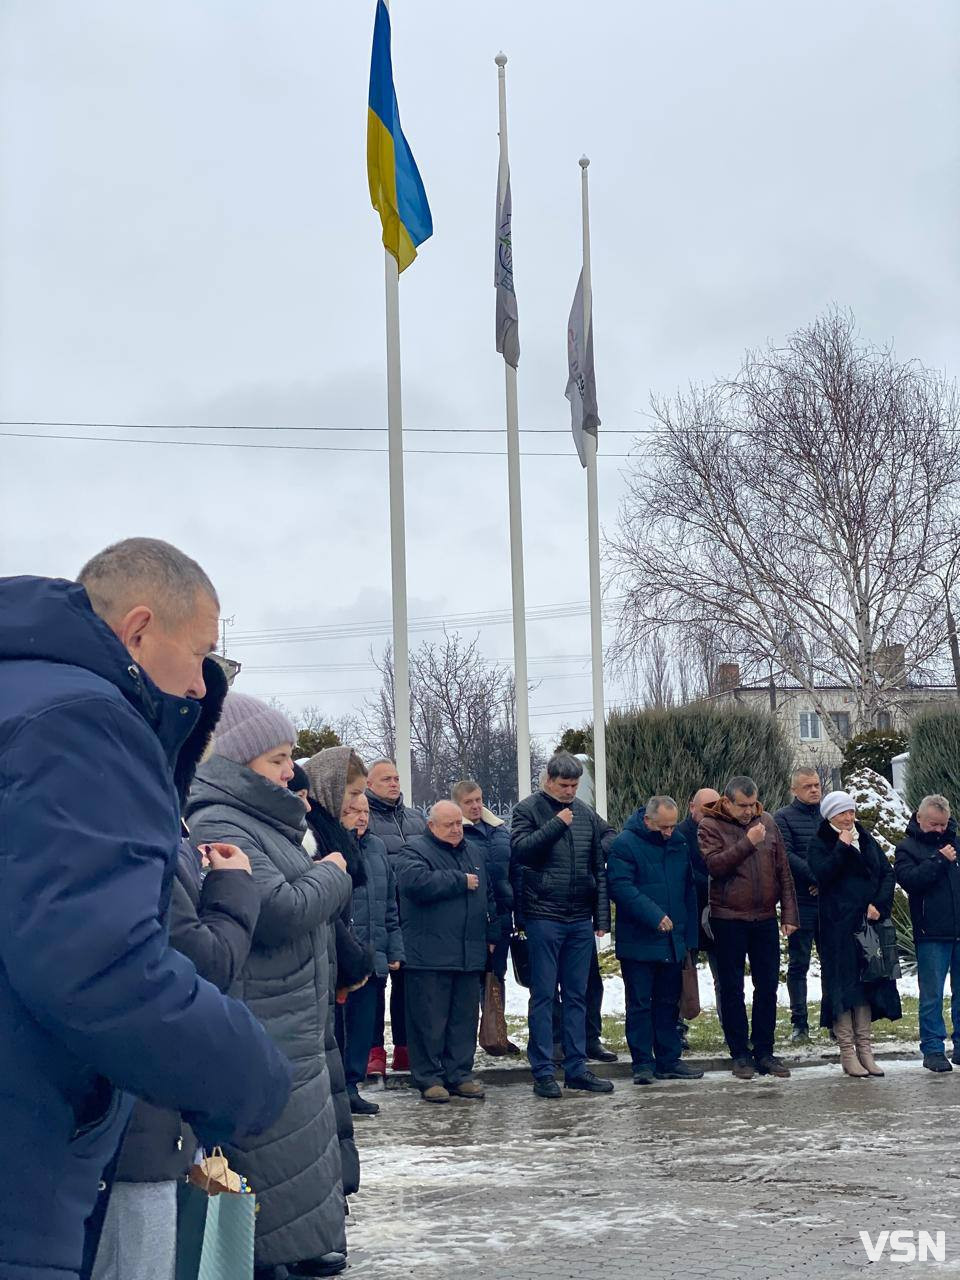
x,y
884,720
842,720
809,726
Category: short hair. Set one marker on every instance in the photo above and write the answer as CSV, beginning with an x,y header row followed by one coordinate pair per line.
x,y
463,788
356,769
940,803
564,765
144,571
805,771
746,786
381,760
656,803
431,816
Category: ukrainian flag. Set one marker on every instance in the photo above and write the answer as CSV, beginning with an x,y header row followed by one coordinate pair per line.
x,y
395,186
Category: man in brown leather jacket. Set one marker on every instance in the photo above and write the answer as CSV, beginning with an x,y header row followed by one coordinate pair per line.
x,y
749,875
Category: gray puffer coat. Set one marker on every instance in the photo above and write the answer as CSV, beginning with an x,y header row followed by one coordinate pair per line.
x,y
294,1167
376,919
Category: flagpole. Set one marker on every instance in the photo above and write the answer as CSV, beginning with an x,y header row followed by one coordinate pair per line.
x,y
521,685
593,534
398,532
398,540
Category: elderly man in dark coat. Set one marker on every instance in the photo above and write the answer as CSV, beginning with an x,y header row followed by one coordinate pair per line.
x,y
650,881
448,916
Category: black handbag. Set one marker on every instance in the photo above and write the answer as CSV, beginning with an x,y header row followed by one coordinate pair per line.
x,y
878,950
520,957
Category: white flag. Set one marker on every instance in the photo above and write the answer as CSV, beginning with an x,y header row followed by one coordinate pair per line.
x,y
582,382
508,329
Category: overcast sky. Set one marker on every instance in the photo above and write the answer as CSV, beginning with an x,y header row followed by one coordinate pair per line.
x,y
186,238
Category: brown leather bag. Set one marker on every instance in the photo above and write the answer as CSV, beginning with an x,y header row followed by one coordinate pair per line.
x,y
690,995
493,1025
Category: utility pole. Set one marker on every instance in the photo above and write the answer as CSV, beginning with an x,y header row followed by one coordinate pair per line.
x,y
224,623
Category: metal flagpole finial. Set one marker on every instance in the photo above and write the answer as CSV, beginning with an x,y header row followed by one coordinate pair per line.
x,y
584,161
501,59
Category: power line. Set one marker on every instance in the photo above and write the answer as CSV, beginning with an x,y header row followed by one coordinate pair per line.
x,y
351,630
298,448
208,426
278,668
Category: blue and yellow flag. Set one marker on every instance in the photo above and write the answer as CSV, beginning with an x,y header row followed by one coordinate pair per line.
x,y
395,186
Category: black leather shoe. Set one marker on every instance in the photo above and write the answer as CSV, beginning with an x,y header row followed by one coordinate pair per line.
x,y
936,1062
360,1106
643,1075
589,1083
768,1065
956,1055
679,1071
329,1264
547,1088
597,1053
800,1035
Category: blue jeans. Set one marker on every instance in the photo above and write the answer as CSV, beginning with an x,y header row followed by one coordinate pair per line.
x,y
934,961
559,955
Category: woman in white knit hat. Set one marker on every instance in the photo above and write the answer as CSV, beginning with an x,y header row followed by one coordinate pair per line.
x,y
855,882
241,796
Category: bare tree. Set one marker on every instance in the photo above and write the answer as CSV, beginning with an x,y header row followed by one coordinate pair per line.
x,y
805,512
462,721
657,676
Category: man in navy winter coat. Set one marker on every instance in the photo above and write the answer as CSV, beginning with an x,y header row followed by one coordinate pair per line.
x,y
98,689
447,913
649,878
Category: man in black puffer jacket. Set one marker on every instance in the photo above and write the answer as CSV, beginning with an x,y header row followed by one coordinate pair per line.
x,y
558,864
448,916
926,866
799,823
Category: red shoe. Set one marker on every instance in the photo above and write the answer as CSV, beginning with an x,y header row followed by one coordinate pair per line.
x,y
377,1062
401,1059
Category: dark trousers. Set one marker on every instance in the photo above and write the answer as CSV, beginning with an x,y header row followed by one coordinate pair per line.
x,y
653,1007
594,1006
398,1010
443,1013
356,1022
559,954
758,941
799,949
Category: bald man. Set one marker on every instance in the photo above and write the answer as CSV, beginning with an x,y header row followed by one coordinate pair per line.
x,y
449,921
701,879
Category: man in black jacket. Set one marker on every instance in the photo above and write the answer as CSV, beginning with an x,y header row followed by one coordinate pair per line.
x,y
448,917
395,823
926,866
557,853
798,823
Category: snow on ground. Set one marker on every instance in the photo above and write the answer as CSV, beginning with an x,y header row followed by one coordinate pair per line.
x,y
614,1001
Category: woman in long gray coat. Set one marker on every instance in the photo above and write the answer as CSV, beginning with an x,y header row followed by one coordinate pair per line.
x,y
240,796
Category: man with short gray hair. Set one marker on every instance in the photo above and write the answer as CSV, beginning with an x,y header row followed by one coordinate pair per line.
x,y
558,863
447,914
99,682
657,928
926,867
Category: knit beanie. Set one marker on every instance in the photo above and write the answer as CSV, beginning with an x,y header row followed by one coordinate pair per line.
x,y
248,727
299,781
835,802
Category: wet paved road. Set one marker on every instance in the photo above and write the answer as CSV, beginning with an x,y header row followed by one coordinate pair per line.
x,y
727,1179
